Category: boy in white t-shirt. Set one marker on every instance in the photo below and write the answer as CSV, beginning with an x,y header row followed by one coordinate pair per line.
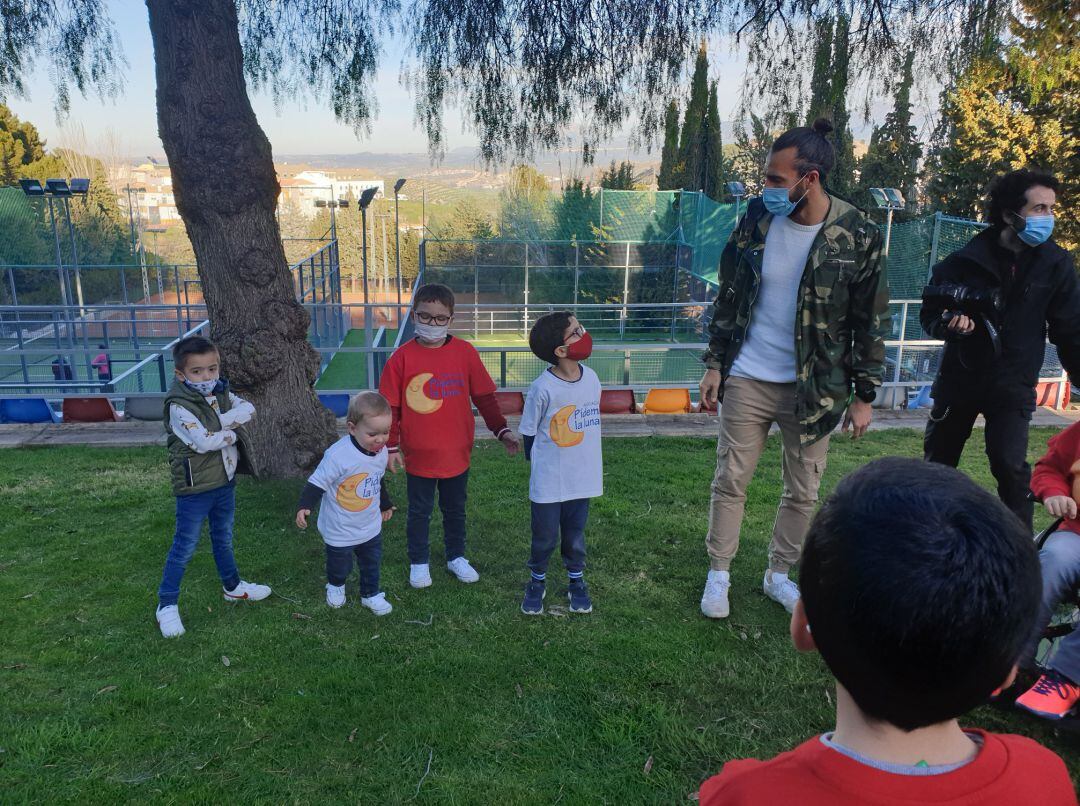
x,y
561,427
348,480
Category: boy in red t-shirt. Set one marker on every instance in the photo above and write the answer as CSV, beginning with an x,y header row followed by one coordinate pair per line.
x,y
1056,482
429,383
920,590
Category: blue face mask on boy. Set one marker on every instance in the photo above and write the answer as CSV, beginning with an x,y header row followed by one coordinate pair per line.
x,y
204,388
778,203
1037,229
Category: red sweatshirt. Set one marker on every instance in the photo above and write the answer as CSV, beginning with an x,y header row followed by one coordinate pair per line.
x,y
1009,770
1058,472
429,389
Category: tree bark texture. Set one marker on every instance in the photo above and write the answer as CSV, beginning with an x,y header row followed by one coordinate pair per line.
x,y
226,192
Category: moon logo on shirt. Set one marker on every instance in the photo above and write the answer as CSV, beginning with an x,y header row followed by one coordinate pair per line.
x,y
416,399
560,431
346,494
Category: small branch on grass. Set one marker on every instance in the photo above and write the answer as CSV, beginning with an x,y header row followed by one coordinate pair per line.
x,y
286,598
430,618
420,783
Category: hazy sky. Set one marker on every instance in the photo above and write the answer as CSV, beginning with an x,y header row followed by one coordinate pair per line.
x,y
290,129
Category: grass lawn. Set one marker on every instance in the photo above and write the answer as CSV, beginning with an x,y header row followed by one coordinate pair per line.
x,y
347,370
455,697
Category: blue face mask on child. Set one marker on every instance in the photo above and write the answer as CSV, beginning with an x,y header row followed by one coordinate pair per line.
x,y
1037,229
204,388
778,203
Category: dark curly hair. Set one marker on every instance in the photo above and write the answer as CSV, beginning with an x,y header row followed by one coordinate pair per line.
x,y
1008,193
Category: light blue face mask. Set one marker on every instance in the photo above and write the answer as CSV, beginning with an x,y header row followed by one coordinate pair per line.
x,y
204,388
778,203
1037,229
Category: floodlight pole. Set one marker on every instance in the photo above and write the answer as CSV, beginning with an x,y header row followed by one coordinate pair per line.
x,y
888,229
397,242
64,296
74,256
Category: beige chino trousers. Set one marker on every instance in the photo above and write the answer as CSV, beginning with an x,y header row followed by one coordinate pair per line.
x,y
749,409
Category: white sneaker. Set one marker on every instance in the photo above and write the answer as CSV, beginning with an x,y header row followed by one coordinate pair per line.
x,y
335,595
781,589
462,570
377,604
420,575
714,601
248,591
168,619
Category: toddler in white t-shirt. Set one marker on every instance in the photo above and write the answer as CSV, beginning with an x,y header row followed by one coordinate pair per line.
x,y
561,427
355,503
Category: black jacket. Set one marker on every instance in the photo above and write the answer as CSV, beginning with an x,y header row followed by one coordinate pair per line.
x,y
1041,298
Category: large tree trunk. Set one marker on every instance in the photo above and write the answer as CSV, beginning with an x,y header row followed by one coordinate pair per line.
x,y
226,192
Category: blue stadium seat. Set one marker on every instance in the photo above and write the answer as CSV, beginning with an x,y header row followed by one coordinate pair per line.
x,y
336,402
25,410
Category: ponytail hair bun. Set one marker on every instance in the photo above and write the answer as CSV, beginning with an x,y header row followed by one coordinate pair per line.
x,y
822,126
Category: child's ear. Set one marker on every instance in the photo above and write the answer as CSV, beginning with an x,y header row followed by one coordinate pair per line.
x,y
564,350
350,427
800,630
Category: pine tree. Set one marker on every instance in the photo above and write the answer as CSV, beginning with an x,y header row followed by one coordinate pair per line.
x,y
892,159
820,81
692,137
714,150
620,177
668,178
841,179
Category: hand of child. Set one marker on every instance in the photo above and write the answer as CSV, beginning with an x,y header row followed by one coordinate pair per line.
x,y
301,518
510,442
230,437
388,514
395,462
1061,506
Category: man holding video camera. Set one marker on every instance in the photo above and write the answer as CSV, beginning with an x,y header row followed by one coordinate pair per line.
x,y
994,302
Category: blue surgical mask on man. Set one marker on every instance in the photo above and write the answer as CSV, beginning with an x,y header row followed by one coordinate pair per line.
x,y
1037,229
778,202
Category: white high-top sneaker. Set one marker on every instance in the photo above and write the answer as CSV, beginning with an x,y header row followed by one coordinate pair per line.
x,y
377,604
168,619
462,570
335,595
714,601
781,589
420,575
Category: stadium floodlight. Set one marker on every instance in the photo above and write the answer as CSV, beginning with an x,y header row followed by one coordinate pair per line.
x,y
32,187
320,202
738,190
889,199
342,202
57,187
367,196
80,187
398,185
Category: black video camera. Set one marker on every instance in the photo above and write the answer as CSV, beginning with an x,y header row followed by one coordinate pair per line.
x,y
958,298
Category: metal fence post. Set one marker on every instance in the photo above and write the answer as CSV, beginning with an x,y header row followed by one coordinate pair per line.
x,y
161,372
502,369
934,245
475,291
525,322
577,273
625,293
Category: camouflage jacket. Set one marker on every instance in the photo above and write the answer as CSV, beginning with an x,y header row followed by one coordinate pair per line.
x,y
842,315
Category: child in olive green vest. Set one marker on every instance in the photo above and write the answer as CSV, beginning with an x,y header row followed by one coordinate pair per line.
x,y
207,447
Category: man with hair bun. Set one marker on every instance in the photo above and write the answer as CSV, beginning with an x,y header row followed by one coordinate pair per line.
x,y
797,338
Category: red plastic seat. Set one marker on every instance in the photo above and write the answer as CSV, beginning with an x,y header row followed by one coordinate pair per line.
x,y
706,408
617,401
510,403
89,410
667,401
1048,394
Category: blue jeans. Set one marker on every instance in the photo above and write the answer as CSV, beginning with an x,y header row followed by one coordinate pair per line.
x,y
339,560
548,520
1060,561
452,495
218,506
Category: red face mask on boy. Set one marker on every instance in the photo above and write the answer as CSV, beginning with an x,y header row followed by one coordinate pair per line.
x,y
580,349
